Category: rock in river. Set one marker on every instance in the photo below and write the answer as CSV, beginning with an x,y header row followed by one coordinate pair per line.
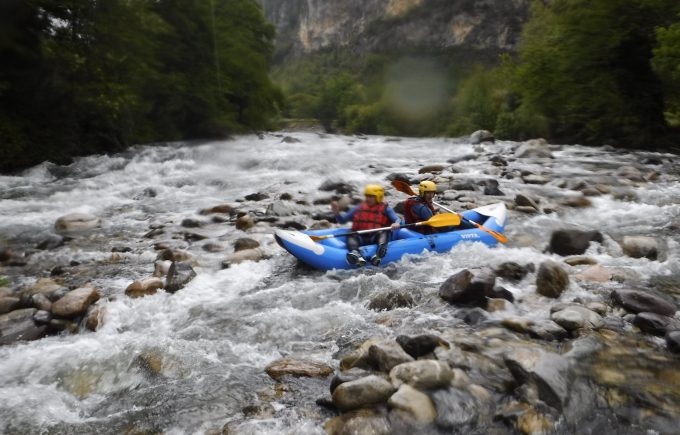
x,y
638,301
574,317
179,276
551,279
76,222
673,341
295,367
573,242
423,374
19,325
255,254
421,344
481,136
391,299
640,247
656,324
144,287
75,302
414,402
365,392
387,354
466,288
513,271
244,243
8,304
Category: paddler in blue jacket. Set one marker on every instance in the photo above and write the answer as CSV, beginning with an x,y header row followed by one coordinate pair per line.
x,y
372,213
420,208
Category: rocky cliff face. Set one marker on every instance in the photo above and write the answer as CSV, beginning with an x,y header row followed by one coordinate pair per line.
x,y
306,26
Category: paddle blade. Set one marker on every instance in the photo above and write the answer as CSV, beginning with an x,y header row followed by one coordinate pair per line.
x,y
500,237
317,238
403,187
442,220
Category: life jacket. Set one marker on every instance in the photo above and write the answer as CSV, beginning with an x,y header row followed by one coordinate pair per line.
x,y
411,217
370,217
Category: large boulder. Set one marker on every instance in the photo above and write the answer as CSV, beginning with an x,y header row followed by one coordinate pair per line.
x,y
513,271
456,408
420,344
547,330
74,222
575,317
640,247
179,276
347,376
548,371
8,304
75,302
573,242
422,374
365,392
533,150
244,243
414,402
481,136
466,288
19,325
295,367
144,287
637,301
673,341
656,324
255,254
386,355
47,287
522,200
551,279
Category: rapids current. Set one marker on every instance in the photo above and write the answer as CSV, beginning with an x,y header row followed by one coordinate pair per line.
x,y
216,335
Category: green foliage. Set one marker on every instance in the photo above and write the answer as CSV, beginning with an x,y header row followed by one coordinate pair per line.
x,y
585,67
82,76
666,63
4,281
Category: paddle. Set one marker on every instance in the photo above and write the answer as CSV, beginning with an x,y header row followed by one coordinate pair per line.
x,y
404,187
436,221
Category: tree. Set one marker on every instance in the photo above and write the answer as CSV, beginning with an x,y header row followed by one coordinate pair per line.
x,y
666,63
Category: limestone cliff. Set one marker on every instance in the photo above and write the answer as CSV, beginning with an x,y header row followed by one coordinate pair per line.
x,y
306,26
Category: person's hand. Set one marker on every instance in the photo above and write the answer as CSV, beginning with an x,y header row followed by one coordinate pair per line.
x,y
395,226
335,207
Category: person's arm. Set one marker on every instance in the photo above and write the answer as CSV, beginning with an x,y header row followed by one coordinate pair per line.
x,y
346,217
392,216
423,212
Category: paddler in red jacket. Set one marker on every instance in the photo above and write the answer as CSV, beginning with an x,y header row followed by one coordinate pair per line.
x,y
420,208
370,214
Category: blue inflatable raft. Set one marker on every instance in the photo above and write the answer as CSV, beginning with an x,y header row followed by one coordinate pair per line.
x,y
331,253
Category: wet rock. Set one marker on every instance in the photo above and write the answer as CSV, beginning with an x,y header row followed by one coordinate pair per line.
x,y
474,316
548,371
580,261
498,161
95,317
161,268
321,225
290,139
44,286
422,374
630,173
513,271
5,291
8,304
75,222
481,136
522,200
281,208
212,247
386,355
517,324
58,325
174,255
151,363
595,273
499,292
637,301
576,317
245,243
359,357
462,185
656,324
218,209
41,302
391,299
414,402
493,305
673,341
525,209
194,237
466,288
551,279
598,307
258,196
144,287
365,392
460,158
359,422
19,325
547,330
191,223
455,408
640,247
245,222
573,242
299,368
255,254
179,276
337,187
431,169
535,179
533,423
578,202
347,376
533,150
42,317
52,241
420,345
491,188
75,302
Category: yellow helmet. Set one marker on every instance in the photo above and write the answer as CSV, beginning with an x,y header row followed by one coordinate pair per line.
x,y
426,186
375,190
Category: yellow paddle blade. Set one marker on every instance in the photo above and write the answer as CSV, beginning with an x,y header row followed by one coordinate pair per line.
x,y
317,238
442,220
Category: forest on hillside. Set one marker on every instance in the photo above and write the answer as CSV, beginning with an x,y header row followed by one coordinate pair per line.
x,y
590,72
86,76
